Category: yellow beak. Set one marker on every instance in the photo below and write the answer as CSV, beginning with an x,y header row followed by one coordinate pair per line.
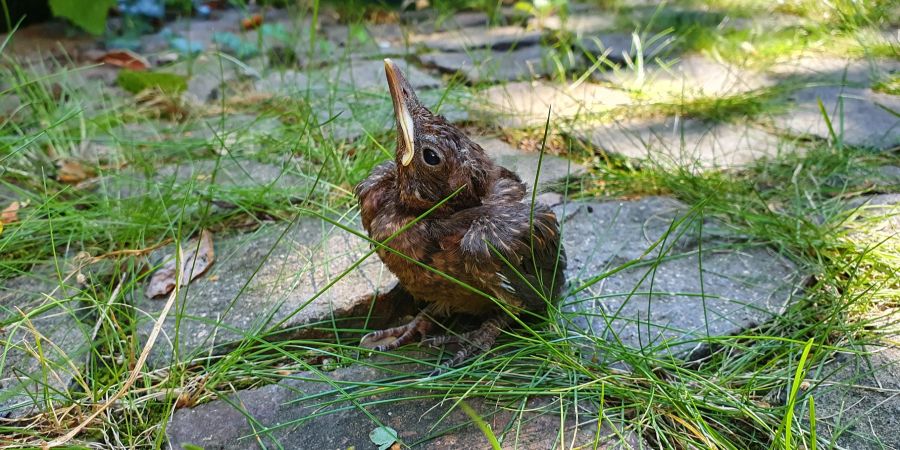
x,y
401,111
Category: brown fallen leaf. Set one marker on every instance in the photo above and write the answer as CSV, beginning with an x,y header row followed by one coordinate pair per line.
x,y
126,59
72,172
196,261
10,214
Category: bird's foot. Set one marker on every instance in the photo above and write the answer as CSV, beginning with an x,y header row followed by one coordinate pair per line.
x,y
472,343
394,338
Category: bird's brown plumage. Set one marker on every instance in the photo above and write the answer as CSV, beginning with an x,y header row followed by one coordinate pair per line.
x,y
488,216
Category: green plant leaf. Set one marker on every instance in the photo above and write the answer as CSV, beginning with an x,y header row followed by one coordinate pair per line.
x,y
90,15
135,82
383,437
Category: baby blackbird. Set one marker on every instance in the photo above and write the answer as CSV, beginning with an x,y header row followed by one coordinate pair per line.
x,y
485,236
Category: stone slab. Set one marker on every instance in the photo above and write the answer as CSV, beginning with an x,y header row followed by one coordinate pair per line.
x,y
431,21
690,77
619,47
463,39
369,75
207,74
525,104
835,69
30,384
198,175
858,116
369,41
856,399
262,281
579,23
351,117
687,143
740,285
485,65
351,75
282,417
555,170
878,220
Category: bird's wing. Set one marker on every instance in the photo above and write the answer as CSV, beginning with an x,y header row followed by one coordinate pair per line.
x,y
528,242
508,188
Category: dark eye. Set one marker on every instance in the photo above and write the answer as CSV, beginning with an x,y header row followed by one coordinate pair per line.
x,y
431,157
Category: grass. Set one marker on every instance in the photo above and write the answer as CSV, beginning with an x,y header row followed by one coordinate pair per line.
x,y
744,391
727,28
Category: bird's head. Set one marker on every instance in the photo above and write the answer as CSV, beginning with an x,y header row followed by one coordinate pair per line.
x,y
434,158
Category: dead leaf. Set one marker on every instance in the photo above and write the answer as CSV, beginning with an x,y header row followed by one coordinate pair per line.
x,y
10,214
253,22
72,172
126,59
196,261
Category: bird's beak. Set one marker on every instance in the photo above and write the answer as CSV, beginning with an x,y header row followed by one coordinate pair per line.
x,y
396,82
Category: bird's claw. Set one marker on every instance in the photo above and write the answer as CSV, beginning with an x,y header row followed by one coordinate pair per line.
x,y
393,338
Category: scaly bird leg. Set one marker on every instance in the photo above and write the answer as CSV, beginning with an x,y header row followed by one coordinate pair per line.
x,y
404,334
473,342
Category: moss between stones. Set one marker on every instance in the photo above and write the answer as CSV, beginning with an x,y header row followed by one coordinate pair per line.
x,y
135,82
889,85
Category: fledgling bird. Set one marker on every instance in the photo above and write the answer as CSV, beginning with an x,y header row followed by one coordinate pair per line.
x,y
486,235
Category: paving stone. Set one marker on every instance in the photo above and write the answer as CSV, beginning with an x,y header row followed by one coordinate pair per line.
x,y
430,21
201,31
369,41
485,65
881,214
250,289
351,117
554,169
619,47
578,23
286,411
888,176
28,383
856,402
742,285
498,38
688,143
858,116
286,82
197,176
525,104
353,75
841,70
207,74
692,76
881,179
369,75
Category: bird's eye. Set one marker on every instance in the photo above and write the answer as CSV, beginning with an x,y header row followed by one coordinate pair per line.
x,y
431,157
